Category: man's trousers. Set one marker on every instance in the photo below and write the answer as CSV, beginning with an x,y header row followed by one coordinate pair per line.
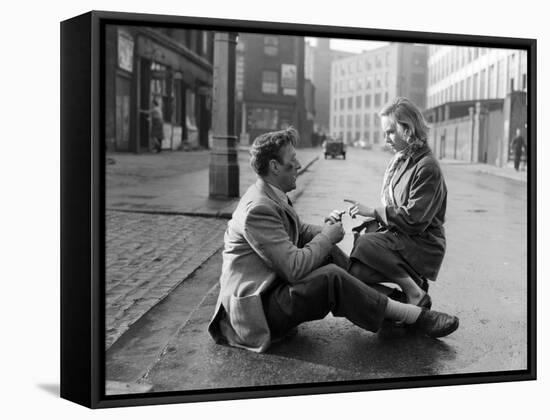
x,y
329,288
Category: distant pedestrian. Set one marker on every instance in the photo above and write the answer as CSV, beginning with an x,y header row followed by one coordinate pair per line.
x,y
279,272
157,125
518,146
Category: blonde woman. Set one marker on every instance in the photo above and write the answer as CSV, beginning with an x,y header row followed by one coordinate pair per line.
x,y
408,245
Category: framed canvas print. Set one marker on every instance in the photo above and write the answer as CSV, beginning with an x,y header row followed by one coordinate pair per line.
x,y
257,209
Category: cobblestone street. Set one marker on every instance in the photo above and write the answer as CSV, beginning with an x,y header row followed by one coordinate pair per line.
x,y
147,255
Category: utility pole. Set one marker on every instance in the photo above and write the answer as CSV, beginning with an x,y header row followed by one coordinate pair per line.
x,y
224,166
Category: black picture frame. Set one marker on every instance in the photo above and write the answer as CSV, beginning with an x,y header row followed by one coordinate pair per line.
x,y
83,208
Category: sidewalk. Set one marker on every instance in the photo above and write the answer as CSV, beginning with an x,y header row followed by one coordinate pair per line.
x,y
167,191
505,172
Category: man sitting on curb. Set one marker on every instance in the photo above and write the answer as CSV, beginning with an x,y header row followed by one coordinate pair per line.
x,y
279,272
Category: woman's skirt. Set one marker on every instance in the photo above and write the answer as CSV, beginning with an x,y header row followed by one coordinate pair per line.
x,y
380,251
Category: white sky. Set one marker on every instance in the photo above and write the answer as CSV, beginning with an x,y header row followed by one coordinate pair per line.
x,y
350,45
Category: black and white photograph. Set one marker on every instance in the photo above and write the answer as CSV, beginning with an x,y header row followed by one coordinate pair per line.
x,y
287,210
265,210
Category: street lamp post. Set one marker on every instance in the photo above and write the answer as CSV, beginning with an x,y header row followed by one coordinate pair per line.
x,y
224,166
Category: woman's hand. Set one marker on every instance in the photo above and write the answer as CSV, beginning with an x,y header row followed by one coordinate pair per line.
x,y
359,209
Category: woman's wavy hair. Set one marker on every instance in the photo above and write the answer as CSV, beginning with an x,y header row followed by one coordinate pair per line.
x,y
268,146
405,113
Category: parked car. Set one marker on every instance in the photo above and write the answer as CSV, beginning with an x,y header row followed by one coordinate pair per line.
x,y
362,144
334,147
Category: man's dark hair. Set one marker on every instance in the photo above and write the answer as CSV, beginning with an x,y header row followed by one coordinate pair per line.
x,y
268,146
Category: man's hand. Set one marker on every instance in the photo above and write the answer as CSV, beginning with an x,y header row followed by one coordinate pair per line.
x,y
335,216
334,231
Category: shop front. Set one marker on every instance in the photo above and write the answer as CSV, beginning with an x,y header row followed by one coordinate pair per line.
x,y
152,70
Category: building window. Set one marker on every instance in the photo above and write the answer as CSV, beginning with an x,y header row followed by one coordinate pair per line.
x,y
271,45
357,121
349,121
264,119
270,83
378,62
367,120
367,101
350,103
482,84
205,43
358,102
376,137
341,104
368,65
491,81
386,97
524,81
368,83
341,121
377,99
378,81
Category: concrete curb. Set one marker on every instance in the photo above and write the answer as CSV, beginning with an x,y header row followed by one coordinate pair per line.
x,y
305,168
488,169
518,178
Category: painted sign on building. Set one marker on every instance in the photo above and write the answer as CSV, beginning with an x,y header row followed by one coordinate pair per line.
x,y
125,51
289,79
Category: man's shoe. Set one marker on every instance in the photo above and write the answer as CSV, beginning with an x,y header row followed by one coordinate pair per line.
x,y
436,324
